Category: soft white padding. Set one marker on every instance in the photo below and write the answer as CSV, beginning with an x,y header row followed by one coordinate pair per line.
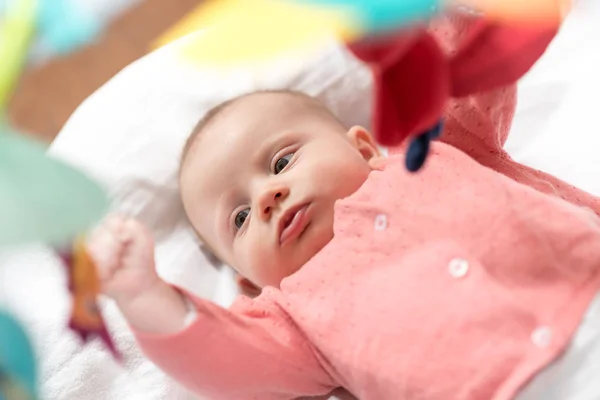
x,y
129,135
556,128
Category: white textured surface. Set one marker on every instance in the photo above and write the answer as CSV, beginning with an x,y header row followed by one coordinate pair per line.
x,y
129,135
557,126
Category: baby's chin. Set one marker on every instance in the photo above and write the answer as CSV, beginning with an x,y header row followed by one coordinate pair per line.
x,y
304,250
313,241
316,236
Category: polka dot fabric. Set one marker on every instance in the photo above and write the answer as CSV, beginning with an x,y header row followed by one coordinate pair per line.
x,y
410,299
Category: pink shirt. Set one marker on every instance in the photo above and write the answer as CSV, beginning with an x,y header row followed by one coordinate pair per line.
x,y
460,282
455,283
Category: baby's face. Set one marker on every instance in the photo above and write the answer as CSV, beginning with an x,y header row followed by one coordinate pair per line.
x,y
260,182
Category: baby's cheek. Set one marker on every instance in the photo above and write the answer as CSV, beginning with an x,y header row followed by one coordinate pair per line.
x,y
255,261
351,178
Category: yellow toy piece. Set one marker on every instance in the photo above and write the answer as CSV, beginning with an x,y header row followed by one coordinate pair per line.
x,y
17,27
251,30
191,23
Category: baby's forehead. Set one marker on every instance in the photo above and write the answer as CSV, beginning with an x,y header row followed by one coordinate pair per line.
x,y
232,121
269,104
259,110
249,120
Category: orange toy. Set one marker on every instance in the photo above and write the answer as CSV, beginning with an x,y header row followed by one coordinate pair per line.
x,y
529,12
84,285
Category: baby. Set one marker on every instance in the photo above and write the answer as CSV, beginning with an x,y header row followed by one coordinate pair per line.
x,y
471,279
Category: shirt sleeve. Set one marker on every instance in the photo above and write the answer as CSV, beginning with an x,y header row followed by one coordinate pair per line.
x,y
250,351
477,124
544,182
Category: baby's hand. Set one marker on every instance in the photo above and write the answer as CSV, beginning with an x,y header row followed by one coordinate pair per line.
x,y
123,250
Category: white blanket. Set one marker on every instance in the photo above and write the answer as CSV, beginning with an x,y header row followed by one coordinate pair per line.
x,y
33,286
555,130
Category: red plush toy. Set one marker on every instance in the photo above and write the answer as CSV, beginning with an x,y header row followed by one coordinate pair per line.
x,y
414,77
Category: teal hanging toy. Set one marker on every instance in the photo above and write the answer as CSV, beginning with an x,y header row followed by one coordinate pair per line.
x,y
18,373
382,15
41,199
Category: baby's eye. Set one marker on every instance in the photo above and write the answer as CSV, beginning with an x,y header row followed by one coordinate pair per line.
x,y
241,217
282,163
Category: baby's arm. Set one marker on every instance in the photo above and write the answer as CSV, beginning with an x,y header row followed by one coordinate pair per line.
x,y
252,351
477,124
124,253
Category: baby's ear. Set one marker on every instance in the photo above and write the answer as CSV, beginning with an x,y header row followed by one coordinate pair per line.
x,y
377,163
364,142
246,287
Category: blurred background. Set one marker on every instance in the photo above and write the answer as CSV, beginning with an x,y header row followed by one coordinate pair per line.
x,y
52,87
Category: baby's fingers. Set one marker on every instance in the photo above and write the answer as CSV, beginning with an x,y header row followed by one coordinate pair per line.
x,y
106,249
140,249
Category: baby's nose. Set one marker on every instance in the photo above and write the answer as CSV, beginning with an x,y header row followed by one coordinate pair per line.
x,y
271,198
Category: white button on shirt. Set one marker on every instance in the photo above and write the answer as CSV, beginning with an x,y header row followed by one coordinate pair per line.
x,y
542,336
458,267
381,222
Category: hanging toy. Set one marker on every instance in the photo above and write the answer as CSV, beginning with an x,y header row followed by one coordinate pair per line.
x,y
391,36
59,25
16,32
230,35
529,13
42,199
413,77
84,284
419,148
63,26
18,372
